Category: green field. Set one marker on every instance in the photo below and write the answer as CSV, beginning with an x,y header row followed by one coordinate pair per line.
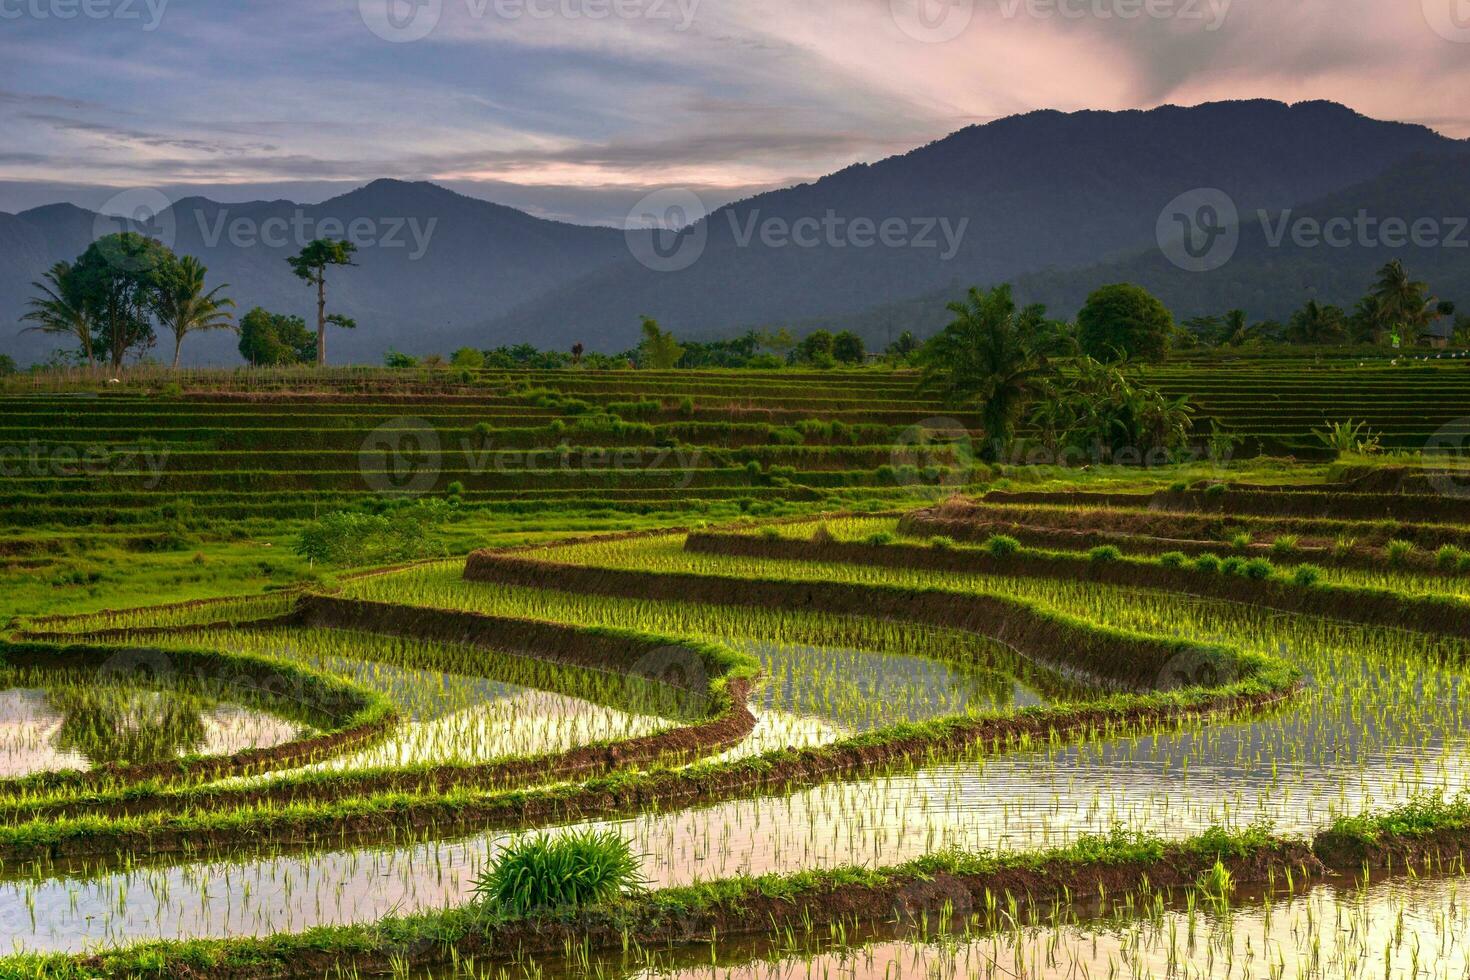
x,y
858,699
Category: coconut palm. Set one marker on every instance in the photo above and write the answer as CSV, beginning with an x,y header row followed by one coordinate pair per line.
x,y
184,307
994,359
1317,323
1406,300
62,308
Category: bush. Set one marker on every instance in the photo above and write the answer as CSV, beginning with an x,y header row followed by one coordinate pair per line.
x,y
349,538
571,871
1002,546
467,357
1448,558
1233,565
1105,553
1285,545
1399,551
1173,559
941,543
1259,569
880,538
1207,563
1306,575
1124,322
399,360
1215,490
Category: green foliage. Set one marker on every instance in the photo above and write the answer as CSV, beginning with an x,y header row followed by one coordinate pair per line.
x,y
183,307
350,538
1285,545
1348,437
7,365
1207,563
275,339
310,266
1259,569
1096,407
940,542
1399,551
658,351
1002,545
399,361
573,870
1174,559
1307,575
1124,322
120,277
993,359
1449,558
467,357
1104,554
847,348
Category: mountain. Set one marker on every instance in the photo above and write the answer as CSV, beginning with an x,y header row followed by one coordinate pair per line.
x,y
1046,190
430,262
1279,263
1057,202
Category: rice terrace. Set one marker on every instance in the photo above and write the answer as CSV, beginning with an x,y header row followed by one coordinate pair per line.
x,y
718,673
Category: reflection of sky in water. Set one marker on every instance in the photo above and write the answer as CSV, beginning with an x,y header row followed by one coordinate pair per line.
x,y
1379,723
30,725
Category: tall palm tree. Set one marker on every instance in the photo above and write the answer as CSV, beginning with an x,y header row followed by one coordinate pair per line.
x,y
1407,301
1317,324
184,307
62,308
994,359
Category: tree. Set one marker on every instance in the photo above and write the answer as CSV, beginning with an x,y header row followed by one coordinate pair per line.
x,y
1097,408
905,345
61,308
273,339
1317,324
817,348
1124,322
1402,300
659,351
467,358
778,342
993,359
7,365
120,279
310,266
847,348
183,305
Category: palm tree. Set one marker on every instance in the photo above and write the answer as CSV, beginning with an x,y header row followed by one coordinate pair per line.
x,y
993,358
184,307
1407,301
62,308
1317,324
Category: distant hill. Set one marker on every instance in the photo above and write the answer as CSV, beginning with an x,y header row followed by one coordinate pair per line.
x,y
1266,279
1055,201
1043,190
438,262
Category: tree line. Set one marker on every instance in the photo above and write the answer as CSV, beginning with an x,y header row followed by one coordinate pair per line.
x,y
115,297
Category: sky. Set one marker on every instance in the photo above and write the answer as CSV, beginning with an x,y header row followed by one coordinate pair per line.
x,y
574,109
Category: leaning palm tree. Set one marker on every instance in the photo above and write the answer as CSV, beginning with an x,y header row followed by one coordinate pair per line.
x,y
184,307
993,359
61,308
1407,300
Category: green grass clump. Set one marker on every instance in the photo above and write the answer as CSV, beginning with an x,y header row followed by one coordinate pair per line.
x,y
1306,575
1207,563
1285,545
542,872
880,538
1105,553
1259,569
941,543
1449,558
1002,545
1174,559
1400,551
1240,541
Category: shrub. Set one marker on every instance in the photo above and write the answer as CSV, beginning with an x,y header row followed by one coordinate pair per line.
x,y
941,543
1215,490
351,538
1207,563
1105,553
1449,558
1259,569
455,489
1285,544
1306,575
880,538
1233,565
1002,545
467,357
571,871
1178,487
1400,551
1173,559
